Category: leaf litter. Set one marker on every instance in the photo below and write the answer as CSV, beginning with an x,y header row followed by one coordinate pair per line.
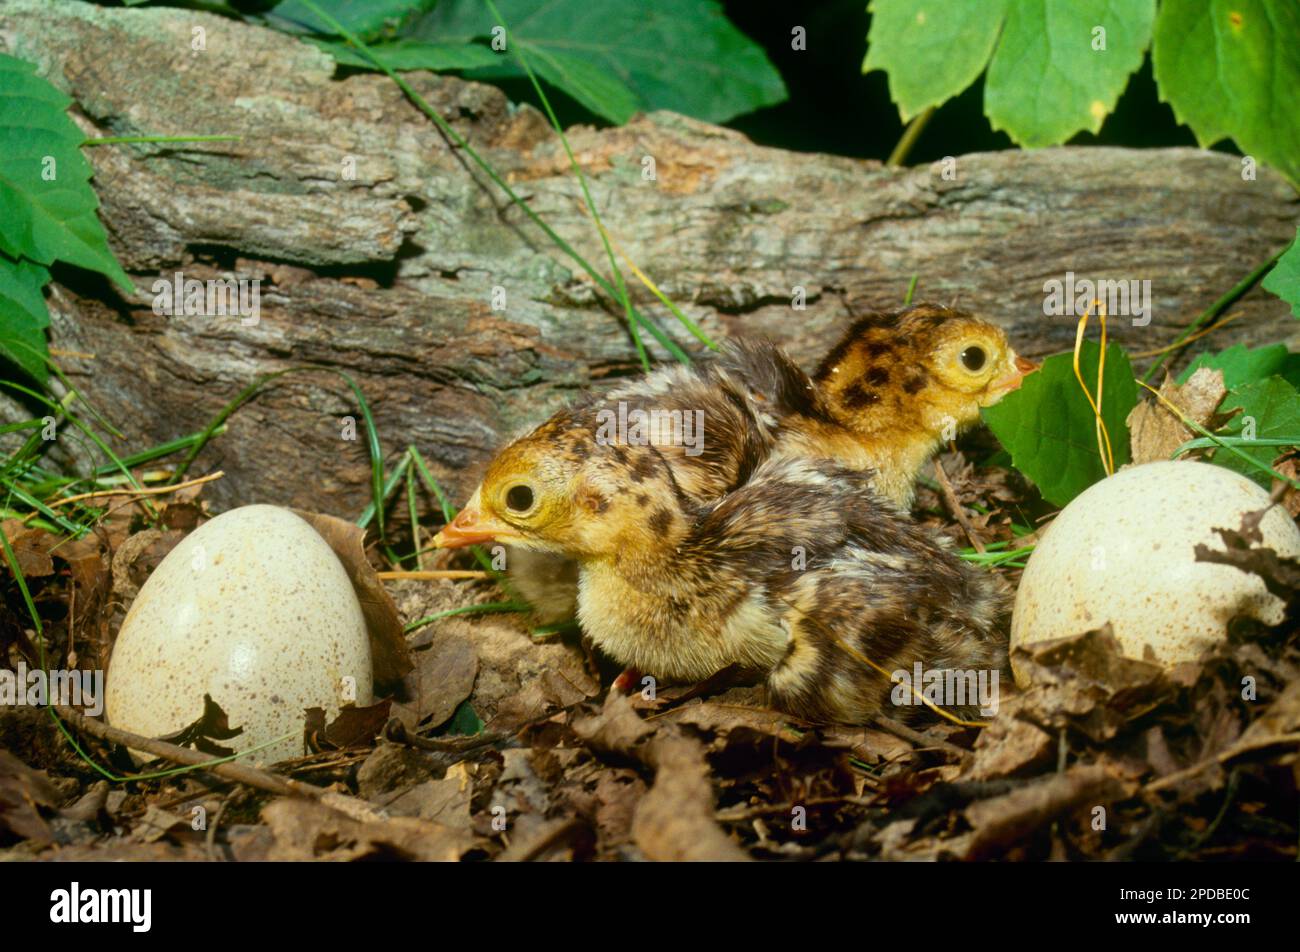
x,y
489,741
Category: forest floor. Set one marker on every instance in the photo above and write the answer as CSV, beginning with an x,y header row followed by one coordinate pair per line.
x,y
505,743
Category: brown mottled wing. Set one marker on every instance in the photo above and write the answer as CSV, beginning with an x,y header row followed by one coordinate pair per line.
x,y
734,439
771,379
847,569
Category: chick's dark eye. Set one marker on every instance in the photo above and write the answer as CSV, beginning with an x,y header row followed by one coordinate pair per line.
x,y
972,358
519,498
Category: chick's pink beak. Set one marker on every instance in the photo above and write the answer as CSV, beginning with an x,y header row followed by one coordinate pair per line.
x,y
1013,379
470,527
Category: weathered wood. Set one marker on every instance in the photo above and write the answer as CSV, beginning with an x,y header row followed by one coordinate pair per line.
x,y
389,274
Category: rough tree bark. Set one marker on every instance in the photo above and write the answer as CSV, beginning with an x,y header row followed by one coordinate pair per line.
x,y
389,274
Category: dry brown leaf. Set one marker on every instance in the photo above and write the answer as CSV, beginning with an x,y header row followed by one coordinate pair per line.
x,y
1084,682
135,559
22,791
1010,746
388,649
1000,821
1155,432
444,801
354,727
723,718
31,547
391,770
307,830
675,819
158,823
1288,466
443,676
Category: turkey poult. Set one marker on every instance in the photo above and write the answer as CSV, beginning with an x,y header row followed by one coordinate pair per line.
x,y
794,577
888,395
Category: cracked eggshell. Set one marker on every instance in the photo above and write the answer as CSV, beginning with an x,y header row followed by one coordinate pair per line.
x,y
253,608
1123,552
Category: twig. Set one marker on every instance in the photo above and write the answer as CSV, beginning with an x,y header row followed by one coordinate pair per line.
x,y
230,770
430,574
1213,311
955,507
212,830
397,732
742,814
1234,779
903,732
1178,776
152,491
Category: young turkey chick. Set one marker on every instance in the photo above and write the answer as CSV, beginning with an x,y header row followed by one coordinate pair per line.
x,y
888,395
708,432
780,577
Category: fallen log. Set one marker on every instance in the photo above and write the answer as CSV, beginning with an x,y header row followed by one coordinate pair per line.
x,y
381,250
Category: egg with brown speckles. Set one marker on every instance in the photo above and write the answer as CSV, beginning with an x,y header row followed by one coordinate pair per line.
x,y
254,609
1123,552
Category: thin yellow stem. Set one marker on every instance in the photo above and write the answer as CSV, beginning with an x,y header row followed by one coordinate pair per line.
x,y
1176,345
1103,436
853,652
154,491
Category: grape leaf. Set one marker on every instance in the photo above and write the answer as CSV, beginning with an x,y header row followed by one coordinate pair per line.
x,y
612,57
1047,80
1232,71
414,54
46,203
1052,71
23,316
589,83
1270,409
1241,364
363,17
931,51
1284,278
1049,428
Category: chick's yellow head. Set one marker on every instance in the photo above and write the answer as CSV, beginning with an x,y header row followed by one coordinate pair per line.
x,y
923,366
972,364
559,490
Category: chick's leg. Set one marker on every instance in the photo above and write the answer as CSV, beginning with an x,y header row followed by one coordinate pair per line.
x,y
627,682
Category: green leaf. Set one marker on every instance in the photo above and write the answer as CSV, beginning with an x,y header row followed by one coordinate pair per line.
x,y
588,83
1270,409
1232,71
931,51
414,54
24,316
1241,364
47,207
1047,80
1284,279
682,55
363,17
464,721
1049,428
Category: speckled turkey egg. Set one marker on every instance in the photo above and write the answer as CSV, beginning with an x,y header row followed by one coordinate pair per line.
x,y
255,609
1123,552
